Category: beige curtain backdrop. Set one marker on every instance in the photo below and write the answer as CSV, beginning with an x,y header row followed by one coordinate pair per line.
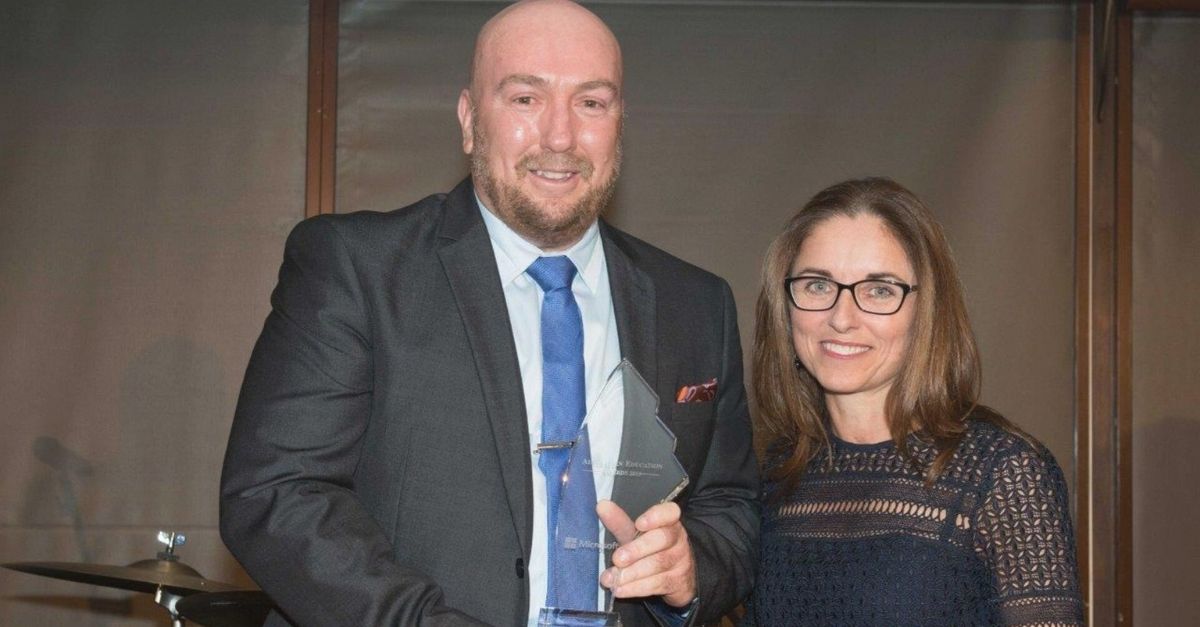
x,y
151,164
1166,320
739,111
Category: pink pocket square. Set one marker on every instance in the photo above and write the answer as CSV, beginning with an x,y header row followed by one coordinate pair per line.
x,y
698,393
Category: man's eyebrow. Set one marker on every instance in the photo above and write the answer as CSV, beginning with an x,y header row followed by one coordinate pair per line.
x,y
537,81
522,79
600,84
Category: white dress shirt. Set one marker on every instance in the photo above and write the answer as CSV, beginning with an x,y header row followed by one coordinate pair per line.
x,y
601,355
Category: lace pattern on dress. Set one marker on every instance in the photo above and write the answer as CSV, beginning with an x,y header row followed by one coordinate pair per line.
x,y
998,513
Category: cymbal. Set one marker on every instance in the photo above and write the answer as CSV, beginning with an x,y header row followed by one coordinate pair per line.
x,y
240,608
140,576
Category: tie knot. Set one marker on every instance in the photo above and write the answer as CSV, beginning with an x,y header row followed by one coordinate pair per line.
x,y
552,273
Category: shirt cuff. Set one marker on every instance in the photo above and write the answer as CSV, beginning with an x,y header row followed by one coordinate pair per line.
x,y
669,616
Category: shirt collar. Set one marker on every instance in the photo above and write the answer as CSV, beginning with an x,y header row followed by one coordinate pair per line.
x,y
514,254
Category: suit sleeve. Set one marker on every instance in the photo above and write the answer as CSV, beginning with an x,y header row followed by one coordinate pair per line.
x,y
722,514
289,512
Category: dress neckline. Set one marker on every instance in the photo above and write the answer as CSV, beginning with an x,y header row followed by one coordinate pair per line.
x,y
841,444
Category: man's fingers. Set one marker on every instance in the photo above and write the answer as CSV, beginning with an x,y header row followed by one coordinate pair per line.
x,y
653,559
645,545
616,521
660,515
652,563
658,575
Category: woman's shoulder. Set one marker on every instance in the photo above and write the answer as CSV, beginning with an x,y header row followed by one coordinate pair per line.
x,y
991,443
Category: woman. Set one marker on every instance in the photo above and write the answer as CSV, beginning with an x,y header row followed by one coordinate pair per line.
x,y
892,497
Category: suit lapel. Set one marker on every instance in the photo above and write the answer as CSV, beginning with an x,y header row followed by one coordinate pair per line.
x,y
470,267
633,304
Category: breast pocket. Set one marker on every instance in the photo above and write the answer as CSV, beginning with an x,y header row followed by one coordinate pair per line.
x,y
692,424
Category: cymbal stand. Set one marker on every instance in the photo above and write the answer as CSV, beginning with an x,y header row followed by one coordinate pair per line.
x,y
163,596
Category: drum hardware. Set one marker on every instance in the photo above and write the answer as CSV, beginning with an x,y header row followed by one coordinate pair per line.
x,y
170,581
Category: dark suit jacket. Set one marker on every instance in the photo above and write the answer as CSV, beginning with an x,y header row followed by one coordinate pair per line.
x,y
378,470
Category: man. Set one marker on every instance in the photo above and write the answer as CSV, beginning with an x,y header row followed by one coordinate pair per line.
x,y
383,464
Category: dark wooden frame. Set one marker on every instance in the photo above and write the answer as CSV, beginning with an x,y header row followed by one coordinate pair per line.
x,y
1124,324
1179,6
321,154
1104,286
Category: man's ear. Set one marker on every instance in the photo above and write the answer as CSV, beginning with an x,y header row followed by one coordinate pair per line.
x,y
466,120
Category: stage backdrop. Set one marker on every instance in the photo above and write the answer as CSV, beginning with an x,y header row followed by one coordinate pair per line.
x,y
1166,320
151,165
152,160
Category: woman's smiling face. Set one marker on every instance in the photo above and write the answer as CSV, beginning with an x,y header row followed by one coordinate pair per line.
x,y
849,351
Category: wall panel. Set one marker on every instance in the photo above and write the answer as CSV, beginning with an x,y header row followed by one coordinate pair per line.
x,y
151,164
1166,320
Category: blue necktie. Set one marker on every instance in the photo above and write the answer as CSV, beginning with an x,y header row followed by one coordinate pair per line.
x,y
572,572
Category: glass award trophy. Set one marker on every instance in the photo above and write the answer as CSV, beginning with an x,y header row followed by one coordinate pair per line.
x,y
642,471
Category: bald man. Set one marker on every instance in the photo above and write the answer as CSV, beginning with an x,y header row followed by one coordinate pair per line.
x,y
383,465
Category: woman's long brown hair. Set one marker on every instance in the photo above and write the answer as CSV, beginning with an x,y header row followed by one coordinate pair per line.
x,y
938,383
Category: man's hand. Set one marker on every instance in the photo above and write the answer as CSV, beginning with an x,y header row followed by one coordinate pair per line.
x,y
653,557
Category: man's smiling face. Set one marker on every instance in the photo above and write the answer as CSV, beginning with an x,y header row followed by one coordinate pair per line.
x,y
542,120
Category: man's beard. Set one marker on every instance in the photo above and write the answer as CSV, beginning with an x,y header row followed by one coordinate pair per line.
x,y
539,223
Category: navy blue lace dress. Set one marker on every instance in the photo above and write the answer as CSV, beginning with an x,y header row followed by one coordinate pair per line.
x,y
865,541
